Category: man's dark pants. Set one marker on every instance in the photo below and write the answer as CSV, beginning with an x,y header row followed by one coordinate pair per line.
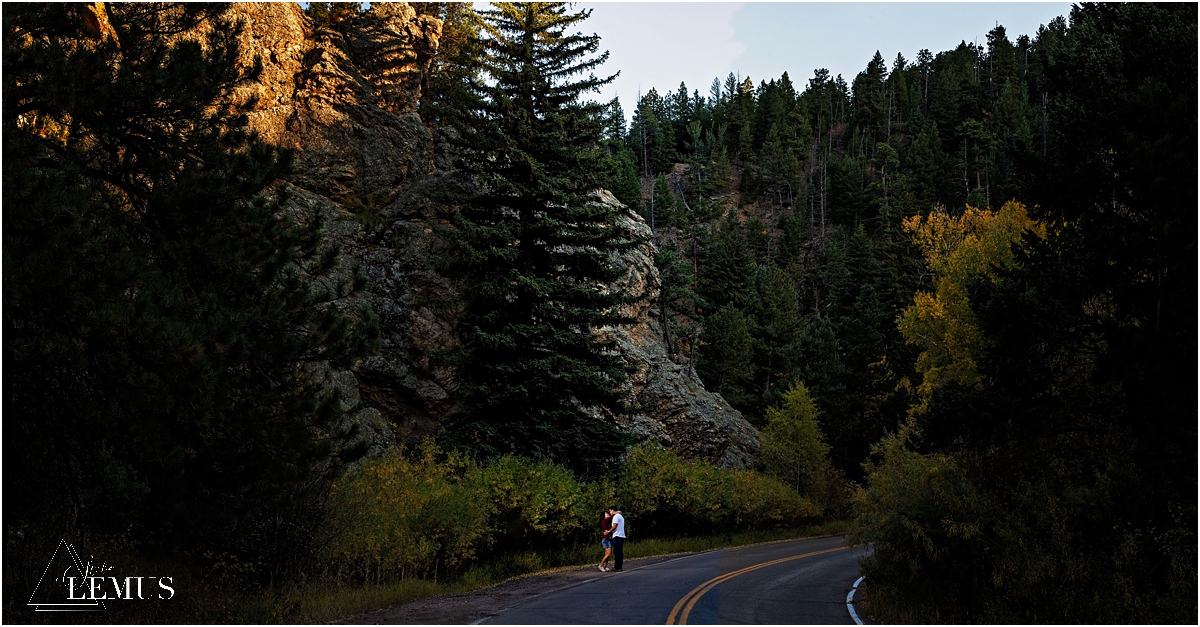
x,y
618,552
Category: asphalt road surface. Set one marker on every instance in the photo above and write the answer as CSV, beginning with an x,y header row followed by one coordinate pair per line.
x,y
798,582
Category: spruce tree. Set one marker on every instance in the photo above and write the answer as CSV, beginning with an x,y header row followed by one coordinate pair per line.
x,y
455,64
618,170
538,253
727,264
158,311
779,323
726,354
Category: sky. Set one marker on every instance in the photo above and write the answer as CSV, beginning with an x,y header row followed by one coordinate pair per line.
x,y
658,44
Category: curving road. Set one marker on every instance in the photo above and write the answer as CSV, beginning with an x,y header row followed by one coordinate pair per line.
x,y
796,582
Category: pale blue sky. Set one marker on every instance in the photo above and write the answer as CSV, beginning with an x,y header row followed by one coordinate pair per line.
x,y
658,44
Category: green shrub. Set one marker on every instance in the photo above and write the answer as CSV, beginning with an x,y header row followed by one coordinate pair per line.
x,y
924,516
761,502
531,504
663,495
427,514
954,544
399,517
430,515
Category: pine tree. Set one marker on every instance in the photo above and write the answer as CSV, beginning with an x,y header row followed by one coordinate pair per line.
x,y
726,354
618,169
537,252
727,264
454,66
668,208
777,329
159,313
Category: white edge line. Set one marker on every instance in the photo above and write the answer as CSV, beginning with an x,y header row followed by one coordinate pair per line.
x,y
850,602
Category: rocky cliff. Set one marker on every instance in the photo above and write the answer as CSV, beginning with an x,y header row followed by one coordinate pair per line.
x,y
345,98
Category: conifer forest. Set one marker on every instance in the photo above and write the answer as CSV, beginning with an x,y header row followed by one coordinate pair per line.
x,y
952,299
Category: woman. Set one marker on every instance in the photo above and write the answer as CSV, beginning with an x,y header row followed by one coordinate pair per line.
x,y
605,528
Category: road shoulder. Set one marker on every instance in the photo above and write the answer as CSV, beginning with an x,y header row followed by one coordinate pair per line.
x,y
469,607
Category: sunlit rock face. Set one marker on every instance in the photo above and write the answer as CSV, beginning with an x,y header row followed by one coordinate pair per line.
x,y
344,98
668,401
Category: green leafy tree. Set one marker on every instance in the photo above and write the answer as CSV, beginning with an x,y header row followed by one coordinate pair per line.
x,y
794,450
535,249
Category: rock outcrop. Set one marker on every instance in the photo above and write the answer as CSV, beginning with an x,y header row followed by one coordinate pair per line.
x,y
345,99
669,402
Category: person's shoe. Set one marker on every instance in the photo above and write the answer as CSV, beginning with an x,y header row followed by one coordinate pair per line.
x,y
602,569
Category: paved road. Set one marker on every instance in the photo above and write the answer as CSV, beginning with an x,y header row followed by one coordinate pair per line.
x,y
798,582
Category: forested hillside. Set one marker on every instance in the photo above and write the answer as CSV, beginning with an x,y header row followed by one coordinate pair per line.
x,y
780,208
981,264
248,248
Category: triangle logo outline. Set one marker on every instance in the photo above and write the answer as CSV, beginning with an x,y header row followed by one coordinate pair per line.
x,y
71,605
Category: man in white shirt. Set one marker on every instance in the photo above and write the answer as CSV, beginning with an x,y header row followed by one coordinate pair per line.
x,y
618,537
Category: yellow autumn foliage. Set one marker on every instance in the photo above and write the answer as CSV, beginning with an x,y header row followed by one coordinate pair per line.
x,y
957,248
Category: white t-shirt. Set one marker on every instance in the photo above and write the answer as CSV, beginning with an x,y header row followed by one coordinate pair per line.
x,y
619,521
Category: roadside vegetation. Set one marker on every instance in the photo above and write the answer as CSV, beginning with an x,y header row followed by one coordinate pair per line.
x,y
424,522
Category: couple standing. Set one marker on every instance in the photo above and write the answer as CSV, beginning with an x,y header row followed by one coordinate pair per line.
x,y
612,538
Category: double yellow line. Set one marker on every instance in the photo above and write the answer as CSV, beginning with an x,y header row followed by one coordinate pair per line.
x,y
689,600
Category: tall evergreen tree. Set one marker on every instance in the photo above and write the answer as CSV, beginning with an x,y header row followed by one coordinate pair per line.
x,y
726,354
727,264
456,63
618,169
538,380
158,312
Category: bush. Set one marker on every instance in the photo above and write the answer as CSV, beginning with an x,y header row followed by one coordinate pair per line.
x,y
663,495
761,502
958,541
531,504
427,514
924,516
399,517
